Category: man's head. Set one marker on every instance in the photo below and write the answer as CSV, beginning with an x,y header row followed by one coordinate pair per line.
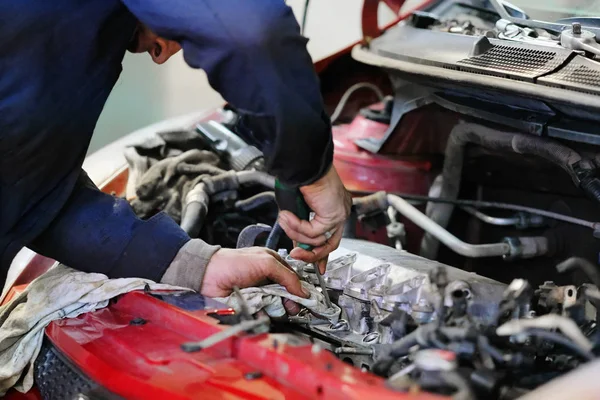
x,y
160,49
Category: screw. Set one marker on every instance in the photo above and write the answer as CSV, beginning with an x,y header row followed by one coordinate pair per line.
x,y
576,28
353,350
371,337
341,325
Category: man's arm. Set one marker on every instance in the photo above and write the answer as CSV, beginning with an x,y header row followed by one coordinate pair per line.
x,y
256,58
97,232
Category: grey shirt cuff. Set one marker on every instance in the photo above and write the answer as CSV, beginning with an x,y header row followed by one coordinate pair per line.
x,y
189,265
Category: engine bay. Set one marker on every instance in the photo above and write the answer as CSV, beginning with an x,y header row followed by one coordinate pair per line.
x,y
464,138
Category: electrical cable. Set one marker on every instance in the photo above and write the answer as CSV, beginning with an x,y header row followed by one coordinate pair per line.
x,y
274,236
491,204
344,100
304,17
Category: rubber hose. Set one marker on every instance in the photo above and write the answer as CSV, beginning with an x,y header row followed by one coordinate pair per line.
x,y
256,177
468,133
591,187
255,201
274,236
589,269
195,210
401,347
193,218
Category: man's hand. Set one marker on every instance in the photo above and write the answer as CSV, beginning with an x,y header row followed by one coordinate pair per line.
x,y
331,204
245,268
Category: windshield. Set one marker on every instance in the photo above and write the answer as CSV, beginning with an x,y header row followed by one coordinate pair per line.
x,y
552,10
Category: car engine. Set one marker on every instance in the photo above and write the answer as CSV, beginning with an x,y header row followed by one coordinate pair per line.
x,y
490,176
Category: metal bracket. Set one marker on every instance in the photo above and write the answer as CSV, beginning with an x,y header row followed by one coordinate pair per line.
x,y
248,235
408,97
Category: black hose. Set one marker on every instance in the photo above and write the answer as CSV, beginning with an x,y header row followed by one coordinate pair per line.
x,y
193,217
401,347
468,133
274,236
486,346
255,201
559,339
463,389
197,200
589,269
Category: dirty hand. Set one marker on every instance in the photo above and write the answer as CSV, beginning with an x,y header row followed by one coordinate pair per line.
x,y
331,203
247,268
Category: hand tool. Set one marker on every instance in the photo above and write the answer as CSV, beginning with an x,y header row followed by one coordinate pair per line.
x,y
290,199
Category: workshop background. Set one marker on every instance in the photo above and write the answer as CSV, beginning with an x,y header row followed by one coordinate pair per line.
x,y
148,93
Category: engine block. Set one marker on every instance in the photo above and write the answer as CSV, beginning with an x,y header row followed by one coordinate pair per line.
x,y
374,285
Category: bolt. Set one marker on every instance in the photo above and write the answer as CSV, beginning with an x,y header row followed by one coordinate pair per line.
x,y
376,308
371,337
354,350
576,28
298,320
341,325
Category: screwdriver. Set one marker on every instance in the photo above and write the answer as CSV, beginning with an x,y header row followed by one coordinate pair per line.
x,y
290,199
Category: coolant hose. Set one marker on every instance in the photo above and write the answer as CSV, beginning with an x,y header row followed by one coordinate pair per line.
x,y
255,201
195,210
196,202
469,133
256,178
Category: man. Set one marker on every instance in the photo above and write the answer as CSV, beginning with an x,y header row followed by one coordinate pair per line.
x,y
58,62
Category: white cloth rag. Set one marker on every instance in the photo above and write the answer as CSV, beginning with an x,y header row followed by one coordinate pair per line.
x,y
270,299
60,293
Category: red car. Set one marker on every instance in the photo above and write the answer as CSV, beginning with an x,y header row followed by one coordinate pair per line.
x,y
477,94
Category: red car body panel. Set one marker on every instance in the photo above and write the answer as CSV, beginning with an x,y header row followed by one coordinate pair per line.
x,y
146,361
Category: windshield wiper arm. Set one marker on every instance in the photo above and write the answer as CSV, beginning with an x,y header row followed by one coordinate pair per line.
x,y
551,27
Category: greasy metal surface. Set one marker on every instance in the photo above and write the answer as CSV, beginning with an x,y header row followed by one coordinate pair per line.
x,y
369,281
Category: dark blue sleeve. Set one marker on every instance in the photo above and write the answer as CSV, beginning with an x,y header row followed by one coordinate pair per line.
x,y
97,232
256,58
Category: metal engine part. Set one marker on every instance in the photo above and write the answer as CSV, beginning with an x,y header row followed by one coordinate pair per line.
x,y
375,285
